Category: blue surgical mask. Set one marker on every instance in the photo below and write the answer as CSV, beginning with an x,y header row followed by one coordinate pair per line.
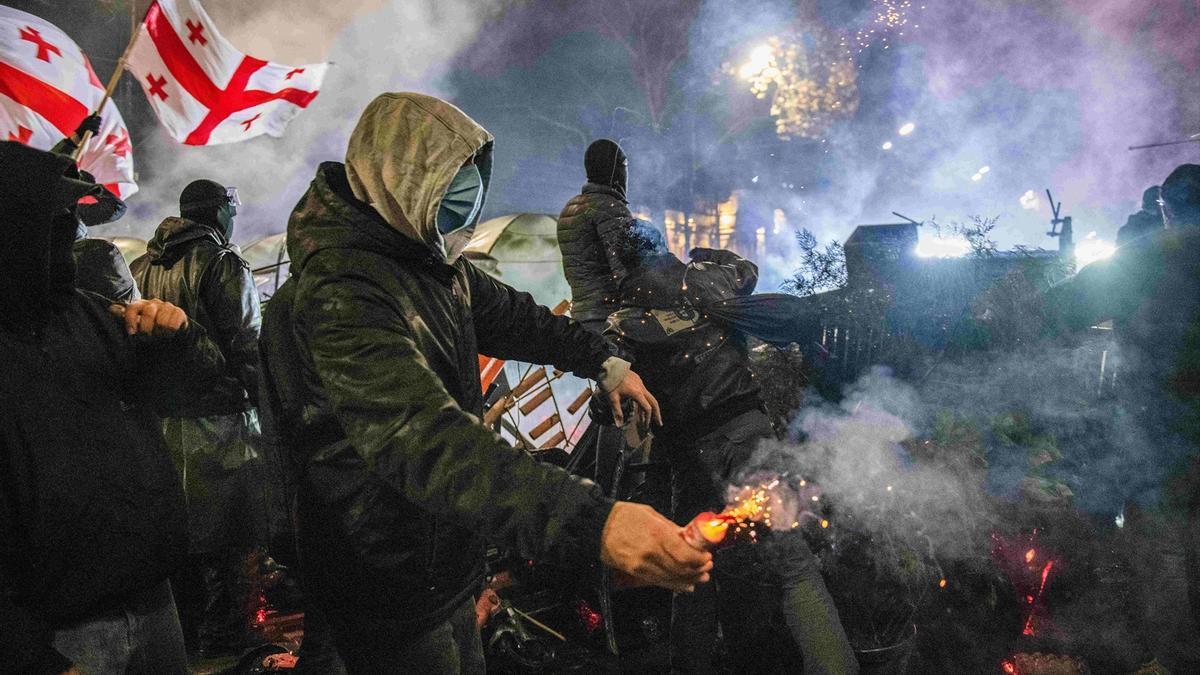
x,y
461,203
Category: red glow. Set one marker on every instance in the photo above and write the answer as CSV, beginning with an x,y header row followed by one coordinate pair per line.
x,y
1009,667
1029,555
1045,574
591,618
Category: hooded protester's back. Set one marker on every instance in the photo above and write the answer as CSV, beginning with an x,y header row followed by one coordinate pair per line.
x,y
397,474
192,266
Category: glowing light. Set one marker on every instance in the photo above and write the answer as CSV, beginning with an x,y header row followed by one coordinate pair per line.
x,y
1029,555
1030,200
1009,667
1120,519
1028,630
977,177
889,488
1092,249
809,83
824,524
906,128
889,18
941,583
761,58
984,169
943,247
887,145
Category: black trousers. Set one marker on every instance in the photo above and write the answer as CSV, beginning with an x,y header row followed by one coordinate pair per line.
x,y
774,610
372,645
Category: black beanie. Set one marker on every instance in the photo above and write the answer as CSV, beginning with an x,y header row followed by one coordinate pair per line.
x,y
605,164
201,194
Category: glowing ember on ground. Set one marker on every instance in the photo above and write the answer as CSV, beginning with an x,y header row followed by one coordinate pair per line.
x,y
1028,630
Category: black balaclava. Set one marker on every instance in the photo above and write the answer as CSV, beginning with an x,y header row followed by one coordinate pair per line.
x,y
606,164
206,201
39,191
1150,200
104,208
1181,196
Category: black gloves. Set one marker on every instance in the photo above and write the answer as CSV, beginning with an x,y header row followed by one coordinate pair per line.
x,y
90,123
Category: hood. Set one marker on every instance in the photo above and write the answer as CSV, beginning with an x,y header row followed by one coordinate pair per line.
x,y
330,216
37,190
606,164
402,156
167,246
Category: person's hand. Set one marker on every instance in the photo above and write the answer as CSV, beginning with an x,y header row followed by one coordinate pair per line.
x,y
90,123
646,546
631,386
150,317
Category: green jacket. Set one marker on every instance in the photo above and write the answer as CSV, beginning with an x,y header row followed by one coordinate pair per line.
x,y
399,481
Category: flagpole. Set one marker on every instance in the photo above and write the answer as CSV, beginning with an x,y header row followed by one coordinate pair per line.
x,y
112,85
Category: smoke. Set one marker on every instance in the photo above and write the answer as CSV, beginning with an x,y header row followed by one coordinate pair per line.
x,y
375,46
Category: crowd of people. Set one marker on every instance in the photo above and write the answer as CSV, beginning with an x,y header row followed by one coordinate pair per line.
x,y
131,467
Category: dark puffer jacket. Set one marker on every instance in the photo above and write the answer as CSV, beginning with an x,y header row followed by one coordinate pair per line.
x,y
100,268
399,478
190,265
595,237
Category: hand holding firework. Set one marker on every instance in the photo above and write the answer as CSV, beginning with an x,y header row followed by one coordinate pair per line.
x,y
646,546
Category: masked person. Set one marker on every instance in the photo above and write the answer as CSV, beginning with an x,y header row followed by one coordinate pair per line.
x,y
1146,221
190,262
91,512
400,483
594,234
1150,289
685,328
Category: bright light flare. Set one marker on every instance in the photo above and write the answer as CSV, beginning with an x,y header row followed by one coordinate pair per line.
x,y
1030,201
1092,249
943,247
906,128
1029,555
887,145
761,58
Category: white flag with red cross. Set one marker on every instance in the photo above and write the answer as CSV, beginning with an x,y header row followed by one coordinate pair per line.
x,y
203,89
47,87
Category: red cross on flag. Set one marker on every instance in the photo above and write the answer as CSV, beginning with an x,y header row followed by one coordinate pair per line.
x,y
203,89
47,87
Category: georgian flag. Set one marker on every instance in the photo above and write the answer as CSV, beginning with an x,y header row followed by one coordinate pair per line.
x,y
203,89
47,87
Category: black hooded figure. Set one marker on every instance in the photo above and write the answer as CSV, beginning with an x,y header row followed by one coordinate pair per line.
x,y
596,234
91,513
1148,219
214,439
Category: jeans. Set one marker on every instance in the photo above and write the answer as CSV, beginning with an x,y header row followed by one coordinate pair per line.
x,y
139,637
371,645
769,597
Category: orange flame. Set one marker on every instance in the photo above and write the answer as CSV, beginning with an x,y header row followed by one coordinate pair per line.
x,y
1029,555
1009,667
713,529
942,583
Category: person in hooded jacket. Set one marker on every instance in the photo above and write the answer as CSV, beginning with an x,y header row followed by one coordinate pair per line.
x,y
91,512
399,482
1150,290
685,327
99,265
1147,220
595,235
191,262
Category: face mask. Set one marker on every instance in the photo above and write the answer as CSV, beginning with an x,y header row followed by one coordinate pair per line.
x,y
225,216
461,203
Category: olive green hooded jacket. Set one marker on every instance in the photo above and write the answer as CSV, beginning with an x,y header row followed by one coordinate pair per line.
x,y
400,481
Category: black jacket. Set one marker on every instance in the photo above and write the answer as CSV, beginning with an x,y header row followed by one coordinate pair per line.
x,y
101,269
596,240
696,366
90,505
190,264
399,478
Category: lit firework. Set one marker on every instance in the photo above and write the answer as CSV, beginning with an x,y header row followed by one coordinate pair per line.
x,y
888,18
810,84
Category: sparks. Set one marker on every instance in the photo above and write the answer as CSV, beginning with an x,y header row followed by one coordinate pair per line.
x,y
1029,621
